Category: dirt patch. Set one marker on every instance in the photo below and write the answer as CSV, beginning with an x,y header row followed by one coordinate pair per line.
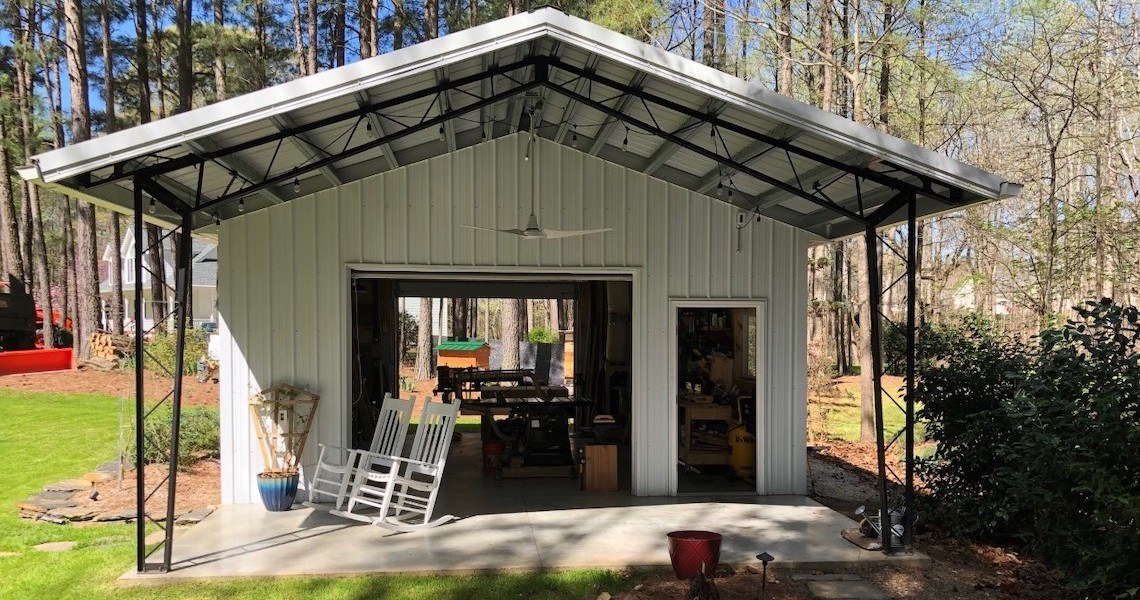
x,y
198,487
112,383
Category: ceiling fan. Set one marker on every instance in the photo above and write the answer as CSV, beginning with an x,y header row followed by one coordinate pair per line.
x,y
532,230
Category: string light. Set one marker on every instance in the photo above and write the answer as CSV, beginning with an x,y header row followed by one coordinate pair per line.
x,y
625,142
152,208
241,205
296,185
217,218
368,126
574,140
719,188
442,135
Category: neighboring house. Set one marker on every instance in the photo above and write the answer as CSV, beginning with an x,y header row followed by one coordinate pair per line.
x,y
204,301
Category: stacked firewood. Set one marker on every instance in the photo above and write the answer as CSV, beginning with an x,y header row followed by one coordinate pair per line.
x,y
111,346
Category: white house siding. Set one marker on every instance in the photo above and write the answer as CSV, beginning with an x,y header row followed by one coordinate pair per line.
x,y
283,281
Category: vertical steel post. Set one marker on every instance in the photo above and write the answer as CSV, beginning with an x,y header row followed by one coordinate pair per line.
x,y
874,298
911,368
140,405
182,293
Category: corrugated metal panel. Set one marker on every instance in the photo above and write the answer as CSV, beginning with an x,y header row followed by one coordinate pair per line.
x,y
284,284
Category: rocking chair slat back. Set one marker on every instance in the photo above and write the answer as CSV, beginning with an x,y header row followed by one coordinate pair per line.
x,y
433,435
392,426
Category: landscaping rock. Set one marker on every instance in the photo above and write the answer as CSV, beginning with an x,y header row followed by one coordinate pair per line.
x,y
40,504
604,596
68,485
55,546
116,515
195,516
42,516
845,590
74,513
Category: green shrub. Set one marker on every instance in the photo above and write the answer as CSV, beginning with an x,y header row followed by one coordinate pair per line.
x,y
542,335
160,351
1038,444
200,436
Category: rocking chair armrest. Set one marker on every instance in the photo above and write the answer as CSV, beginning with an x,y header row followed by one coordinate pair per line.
x,y
396,460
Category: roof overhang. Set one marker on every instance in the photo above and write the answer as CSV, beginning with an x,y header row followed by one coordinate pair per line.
x,y
558,76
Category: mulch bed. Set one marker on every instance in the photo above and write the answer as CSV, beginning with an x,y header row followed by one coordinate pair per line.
x,y
112,383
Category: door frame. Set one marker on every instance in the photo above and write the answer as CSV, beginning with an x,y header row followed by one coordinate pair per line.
x,y
760,305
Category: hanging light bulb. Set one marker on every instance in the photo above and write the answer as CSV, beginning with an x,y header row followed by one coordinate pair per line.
x,y
368,126
152,207
217,218
574,139
625,142
442,135
719,188
730,193
241,205
296,185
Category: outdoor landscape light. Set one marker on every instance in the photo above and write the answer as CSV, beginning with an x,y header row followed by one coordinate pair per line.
x,y
765,558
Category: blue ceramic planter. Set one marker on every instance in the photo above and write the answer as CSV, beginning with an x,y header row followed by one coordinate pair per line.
x,y
277,491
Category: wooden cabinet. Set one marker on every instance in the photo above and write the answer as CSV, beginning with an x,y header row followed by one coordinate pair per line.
x,y
699,446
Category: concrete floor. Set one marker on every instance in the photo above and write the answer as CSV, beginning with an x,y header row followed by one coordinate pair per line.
x,y
521,524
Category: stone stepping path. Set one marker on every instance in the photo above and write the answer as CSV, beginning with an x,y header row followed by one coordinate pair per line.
x,y
60,502
839,586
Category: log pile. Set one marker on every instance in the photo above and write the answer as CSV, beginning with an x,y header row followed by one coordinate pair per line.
x,y
110,346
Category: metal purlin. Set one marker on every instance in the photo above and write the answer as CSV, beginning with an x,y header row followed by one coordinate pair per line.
x,y
143,249
877,247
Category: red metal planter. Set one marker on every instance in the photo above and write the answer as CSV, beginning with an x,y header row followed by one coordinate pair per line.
x,y
690,550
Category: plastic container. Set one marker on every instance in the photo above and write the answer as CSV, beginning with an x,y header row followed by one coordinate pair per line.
x,y
493,456
690,551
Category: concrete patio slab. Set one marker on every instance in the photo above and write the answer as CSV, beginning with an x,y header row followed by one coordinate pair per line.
x,y
513,525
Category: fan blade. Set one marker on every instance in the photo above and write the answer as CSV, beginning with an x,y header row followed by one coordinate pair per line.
x,y
554,234
518,232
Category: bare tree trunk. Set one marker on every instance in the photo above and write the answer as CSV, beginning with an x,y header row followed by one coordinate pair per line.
x,y
827,48
398,23
9,242
184,18
299,39
338,33
367,29
510,337
87,267
142,62
784,25
116,267
312,37
219,50
552,314
423,341
431,19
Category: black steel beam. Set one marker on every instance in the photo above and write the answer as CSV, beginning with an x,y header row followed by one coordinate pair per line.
x,y
378,142
911,368
183,285
190,160
697,149
140,404
874,297
719,122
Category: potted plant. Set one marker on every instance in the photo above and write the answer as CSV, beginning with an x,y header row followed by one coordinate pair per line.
x,y
282,417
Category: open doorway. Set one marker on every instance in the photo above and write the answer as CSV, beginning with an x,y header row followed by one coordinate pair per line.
x,y
716,371
565,386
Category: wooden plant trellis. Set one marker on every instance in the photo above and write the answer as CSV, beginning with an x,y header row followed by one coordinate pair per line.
x,y
282,416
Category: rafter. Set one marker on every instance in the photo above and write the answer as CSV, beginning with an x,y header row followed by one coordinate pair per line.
x,y
565,121
623,102
441,77
204,148
376,130
750,152
306,147
667,149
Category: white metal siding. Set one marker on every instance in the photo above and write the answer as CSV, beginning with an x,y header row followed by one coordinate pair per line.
x,y
283,284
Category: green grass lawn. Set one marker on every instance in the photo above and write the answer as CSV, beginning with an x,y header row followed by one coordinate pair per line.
x,y
841,415
48,437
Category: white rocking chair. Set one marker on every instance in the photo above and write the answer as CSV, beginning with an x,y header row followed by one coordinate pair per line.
x,y
405,494
387,439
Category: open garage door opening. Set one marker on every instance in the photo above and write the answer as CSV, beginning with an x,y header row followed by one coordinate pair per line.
x,y
540,364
